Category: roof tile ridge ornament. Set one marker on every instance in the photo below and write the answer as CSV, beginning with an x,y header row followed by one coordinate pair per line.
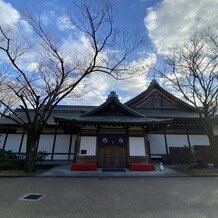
x,y
113,95
153,82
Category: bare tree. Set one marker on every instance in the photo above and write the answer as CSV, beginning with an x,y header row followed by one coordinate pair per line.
x,y
55,74
7,98
192,70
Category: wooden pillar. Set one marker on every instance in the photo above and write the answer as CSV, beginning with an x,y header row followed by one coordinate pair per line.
x,y
127,148
147,147
187,133
165,139
77,145
6,137
54,142
97,133
70,146
21,141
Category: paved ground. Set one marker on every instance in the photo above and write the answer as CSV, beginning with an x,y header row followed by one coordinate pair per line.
x,y
111,197
64,171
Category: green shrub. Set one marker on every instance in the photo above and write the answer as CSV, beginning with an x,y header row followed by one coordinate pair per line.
x,y
9,160
40,157
7,155
12,164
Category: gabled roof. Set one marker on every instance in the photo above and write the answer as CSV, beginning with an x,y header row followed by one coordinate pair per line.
x,y
154,91
112,112
112,106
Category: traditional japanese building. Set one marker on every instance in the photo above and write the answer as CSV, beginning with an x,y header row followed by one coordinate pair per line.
x,y
114,134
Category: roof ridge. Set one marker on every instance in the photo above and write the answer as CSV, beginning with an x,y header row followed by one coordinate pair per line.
x,y
113,97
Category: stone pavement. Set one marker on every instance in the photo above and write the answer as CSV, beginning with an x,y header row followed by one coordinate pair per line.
x,y
156,197
63,170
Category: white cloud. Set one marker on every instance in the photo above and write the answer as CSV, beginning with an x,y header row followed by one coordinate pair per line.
x,y
8,14
151,19
64,23
97,86
32,66
172,21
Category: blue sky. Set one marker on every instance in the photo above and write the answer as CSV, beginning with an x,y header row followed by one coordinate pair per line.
x,y
162,23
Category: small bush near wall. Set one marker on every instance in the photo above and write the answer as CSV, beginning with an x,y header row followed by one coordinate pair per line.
x,y
41,155
7,155
10,160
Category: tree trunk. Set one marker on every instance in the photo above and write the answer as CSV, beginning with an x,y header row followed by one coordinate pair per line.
x,y
31,154
214,147
211,136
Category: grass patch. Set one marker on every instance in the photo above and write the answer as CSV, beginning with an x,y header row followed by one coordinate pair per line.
x,y
19,171
11,164
196,171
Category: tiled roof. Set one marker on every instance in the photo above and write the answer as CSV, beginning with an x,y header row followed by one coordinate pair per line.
x,y
113,111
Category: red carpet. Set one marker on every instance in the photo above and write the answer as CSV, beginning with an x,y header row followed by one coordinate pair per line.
x,y
141,167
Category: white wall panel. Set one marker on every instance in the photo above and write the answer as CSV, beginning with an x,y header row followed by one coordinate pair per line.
x,y
136,146
62,144
157,143
2,139
88,143
46,143
177,140
199,140
13,142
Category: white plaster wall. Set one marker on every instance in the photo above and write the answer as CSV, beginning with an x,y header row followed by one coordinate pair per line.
x,y
46,143
62,144
2,139
215,130
136,146
157,143
13,142
88,143
199,140
177,140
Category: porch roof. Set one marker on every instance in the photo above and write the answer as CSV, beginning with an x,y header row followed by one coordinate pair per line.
x,y
111,120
